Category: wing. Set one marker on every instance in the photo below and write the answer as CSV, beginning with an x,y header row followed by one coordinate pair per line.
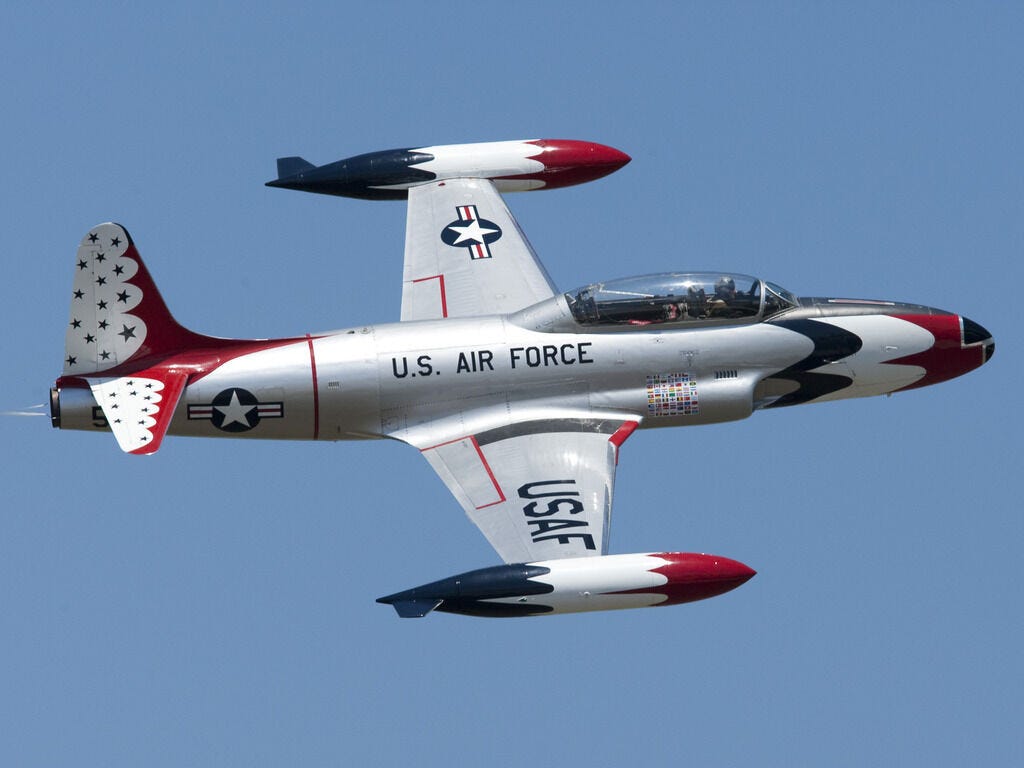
x,y
465,255
538,490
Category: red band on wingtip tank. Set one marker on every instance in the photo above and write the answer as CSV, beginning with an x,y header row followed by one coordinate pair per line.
x,y
694,577
568,162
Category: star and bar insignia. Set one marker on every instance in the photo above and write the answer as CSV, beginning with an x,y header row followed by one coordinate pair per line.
x,y
236,410
472,232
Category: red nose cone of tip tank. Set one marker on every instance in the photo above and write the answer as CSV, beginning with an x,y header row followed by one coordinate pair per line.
x,y
696,577
568,161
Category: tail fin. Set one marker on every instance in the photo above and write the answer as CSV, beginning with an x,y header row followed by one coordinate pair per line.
x,y
118,332
289,166
124,346
118,320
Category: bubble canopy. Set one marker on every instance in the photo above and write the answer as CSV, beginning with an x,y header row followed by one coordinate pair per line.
x,y
678,298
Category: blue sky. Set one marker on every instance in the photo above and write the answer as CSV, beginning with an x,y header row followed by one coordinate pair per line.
x,y
214,605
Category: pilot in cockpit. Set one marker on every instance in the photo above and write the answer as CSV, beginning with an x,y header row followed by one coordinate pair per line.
x,y
696,301
725,296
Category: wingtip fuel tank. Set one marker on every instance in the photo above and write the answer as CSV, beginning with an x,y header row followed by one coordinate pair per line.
x,y
513,166
575,585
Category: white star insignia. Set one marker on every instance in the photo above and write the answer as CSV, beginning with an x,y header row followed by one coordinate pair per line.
x,y
472,231
235,412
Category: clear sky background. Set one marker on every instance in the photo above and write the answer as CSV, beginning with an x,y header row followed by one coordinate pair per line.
x,y
213,605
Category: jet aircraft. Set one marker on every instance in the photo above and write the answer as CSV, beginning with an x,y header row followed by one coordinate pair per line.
x,y
518,394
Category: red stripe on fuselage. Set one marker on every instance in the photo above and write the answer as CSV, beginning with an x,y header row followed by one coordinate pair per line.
x,y
316,389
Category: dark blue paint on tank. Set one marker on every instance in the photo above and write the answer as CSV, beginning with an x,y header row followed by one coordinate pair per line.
x,y
360,176
469,592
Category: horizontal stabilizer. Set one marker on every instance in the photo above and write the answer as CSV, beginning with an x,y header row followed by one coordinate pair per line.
x,y
139,407
413,608
289,166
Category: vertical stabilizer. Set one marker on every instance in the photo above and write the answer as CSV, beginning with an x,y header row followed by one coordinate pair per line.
x,y
125,347
117,315
289,166
119,332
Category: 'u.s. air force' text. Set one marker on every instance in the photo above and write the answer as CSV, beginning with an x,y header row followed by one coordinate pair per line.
x,y
483,360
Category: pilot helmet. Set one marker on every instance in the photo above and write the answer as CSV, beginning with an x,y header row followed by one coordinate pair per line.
x,y
725,284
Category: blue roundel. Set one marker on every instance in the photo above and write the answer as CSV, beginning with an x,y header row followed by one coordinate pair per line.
x,y
235,410
464,234
470,231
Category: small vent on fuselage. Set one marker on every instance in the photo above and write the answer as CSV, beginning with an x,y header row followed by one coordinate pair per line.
x,y
730,374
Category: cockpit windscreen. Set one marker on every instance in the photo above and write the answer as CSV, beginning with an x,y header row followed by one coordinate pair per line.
x,y
678,298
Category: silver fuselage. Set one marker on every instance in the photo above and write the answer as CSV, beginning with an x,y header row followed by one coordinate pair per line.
x,y
460,376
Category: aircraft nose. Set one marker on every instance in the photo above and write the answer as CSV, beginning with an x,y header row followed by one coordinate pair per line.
x,y
960,345
974,333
